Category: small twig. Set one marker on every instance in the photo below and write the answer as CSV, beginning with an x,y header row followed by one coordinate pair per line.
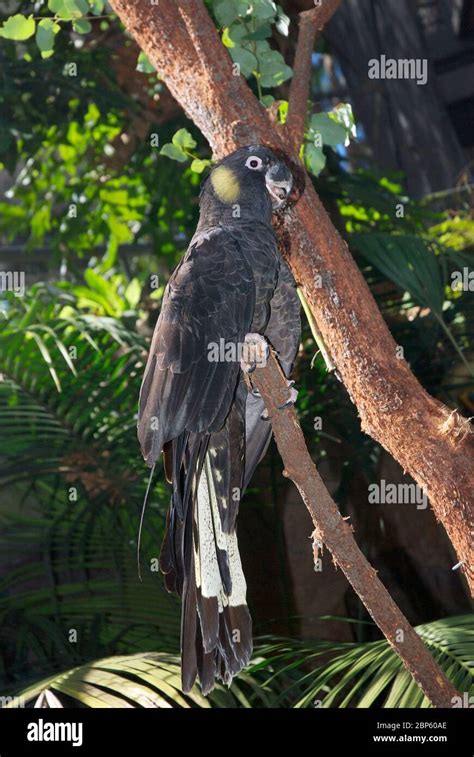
x,y
310,23
336,534
318,337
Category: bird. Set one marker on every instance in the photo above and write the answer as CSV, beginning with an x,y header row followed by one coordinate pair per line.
x,y
232,289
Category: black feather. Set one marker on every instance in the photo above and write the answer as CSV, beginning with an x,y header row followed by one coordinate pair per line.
x,y
232,281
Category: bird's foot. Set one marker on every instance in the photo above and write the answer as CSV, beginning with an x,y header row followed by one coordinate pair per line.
x,y
254,352
293,395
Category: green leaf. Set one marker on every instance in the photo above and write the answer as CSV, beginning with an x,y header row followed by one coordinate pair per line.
x,y
267,100
246,60
173,152
45,34
273,69
66,152
144,65
184,140
81,26
105,290
133,292
87,544
237,32
119,229
315,158
18,27
283,111
344,114
227,40
97,6
198,165
328,129
227,11
40,222
261,32
46,357
114,196
264,9
108,261
411,263
68,9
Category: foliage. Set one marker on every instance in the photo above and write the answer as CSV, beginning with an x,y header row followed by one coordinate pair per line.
x,y
284,673
246,29
146,680
333,128
180,149
22,27
64,197
68,451
366,674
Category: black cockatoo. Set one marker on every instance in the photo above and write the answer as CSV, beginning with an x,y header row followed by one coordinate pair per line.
x,y
196,407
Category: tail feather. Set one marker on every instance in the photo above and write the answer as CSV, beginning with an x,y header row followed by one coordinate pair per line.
x,y
189,633
224,619
200,560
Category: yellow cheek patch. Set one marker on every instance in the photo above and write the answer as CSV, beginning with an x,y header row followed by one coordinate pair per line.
x,y
226,184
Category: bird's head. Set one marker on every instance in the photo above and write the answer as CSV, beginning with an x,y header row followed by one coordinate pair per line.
x,y
253,178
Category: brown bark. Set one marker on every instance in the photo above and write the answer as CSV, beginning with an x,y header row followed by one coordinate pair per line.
x,y
335,532
310,22
181,41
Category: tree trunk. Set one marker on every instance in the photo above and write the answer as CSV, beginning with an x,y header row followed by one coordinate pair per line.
x,y
407,126
429,442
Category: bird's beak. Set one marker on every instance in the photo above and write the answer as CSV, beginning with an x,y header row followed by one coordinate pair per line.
x,y
279,182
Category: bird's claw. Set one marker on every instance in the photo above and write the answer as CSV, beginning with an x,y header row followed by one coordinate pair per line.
x,y
254,352
293,396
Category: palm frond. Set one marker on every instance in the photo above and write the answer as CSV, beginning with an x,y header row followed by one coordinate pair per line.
x,y
284,672
328,674
72,470
141,680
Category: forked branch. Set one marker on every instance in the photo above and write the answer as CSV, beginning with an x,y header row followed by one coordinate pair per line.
x,y
310,23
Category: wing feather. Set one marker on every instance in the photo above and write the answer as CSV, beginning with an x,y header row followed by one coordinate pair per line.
x,y
209,298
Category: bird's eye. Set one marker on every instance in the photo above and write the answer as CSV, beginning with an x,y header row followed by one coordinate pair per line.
x,y
254,163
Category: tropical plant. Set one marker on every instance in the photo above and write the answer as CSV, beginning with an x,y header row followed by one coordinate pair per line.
x,y
284,673
141,680
69,463
366,674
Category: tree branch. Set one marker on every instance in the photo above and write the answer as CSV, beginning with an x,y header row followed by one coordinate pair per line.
x,y
394,409
310,23
336,534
